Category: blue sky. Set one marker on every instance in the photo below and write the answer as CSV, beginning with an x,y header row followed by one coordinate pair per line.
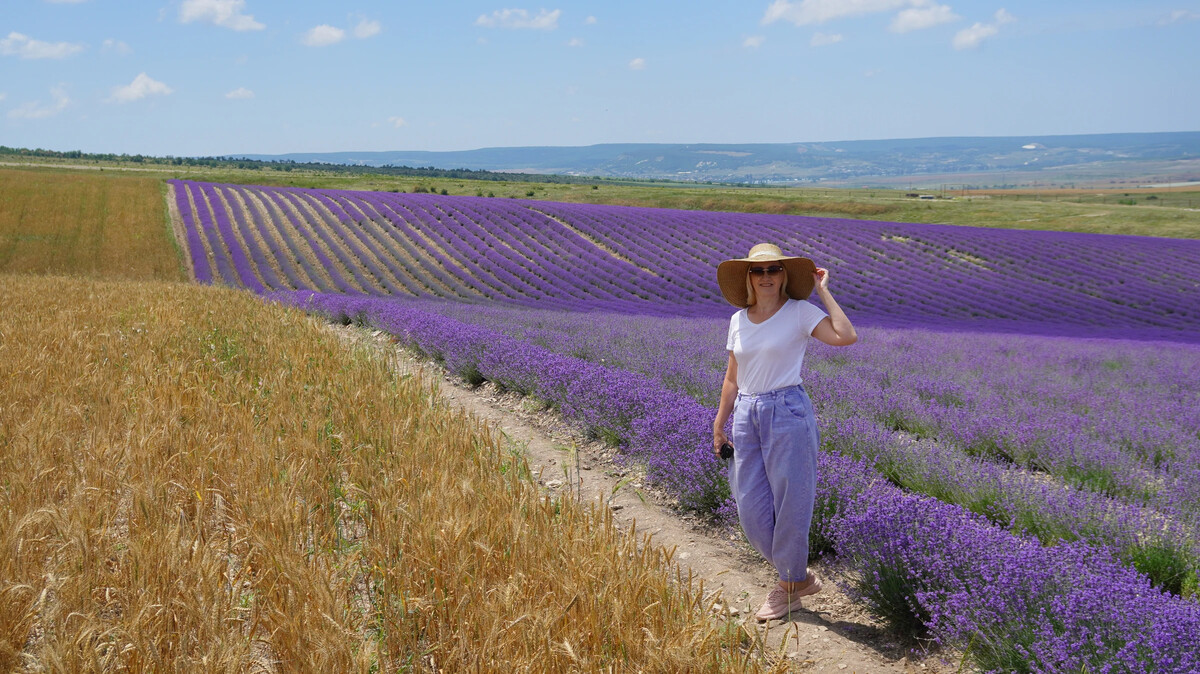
x,y
205,77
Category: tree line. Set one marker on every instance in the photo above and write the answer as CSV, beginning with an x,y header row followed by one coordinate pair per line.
x,y
289,165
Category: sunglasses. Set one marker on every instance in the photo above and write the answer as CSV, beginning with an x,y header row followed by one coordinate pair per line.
x,y
772,270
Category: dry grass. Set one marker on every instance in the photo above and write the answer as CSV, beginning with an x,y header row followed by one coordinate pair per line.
x,y
193,480
83,223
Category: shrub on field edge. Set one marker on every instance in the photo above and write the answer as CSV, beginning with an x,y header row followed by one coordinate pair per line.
x,y
929,567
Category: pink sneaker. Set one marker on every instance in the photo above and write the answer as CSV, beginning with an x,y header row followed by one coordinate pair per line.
x,y
780,602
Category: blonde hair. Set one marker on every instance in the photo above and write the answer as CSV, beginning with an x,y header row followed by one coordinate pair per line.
x,y
752,297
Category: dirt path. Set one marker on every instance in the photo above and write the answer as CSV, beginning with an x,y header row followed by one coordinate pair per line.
x,y
832,635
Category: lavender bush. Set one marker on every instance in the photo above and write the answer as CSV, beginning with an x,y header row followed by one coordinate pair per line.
x,y
1015,604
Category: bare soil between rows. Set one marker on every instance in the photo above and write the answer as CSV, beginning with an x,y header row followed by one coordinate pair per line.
x,y
831,634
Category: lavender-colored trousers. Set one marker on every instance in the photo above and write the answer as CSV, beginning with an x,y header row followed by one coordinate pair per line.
x,y
773,475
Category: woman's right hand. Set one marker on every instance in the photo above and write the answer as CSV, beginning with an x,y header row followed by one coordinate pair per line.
x,y
719,438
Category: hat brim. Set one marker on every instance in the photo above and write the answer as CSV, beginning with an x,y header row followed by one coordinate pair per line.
x,y
731,276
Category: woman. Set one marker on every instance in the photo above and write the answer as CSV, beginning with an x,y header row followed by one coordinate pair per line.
x,y
773,471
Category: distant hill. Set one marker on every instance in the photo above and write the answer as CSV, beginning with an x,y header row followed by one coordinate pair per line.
x,y
847,161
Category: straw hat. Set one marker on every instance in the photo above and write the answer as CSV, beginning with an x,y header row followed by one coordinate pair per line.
x,y
731,274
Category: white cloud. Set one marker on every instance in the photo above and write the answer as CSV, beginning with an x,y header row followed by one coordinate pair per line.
x,y
323,36
822,39
638,63
575,42
920,17
224,13
33,110
807,12
141,87
591,21
366,29
26,47
3,95
240,93
1179,16
910,14
754,41
111,46
397,122
970,38
519,18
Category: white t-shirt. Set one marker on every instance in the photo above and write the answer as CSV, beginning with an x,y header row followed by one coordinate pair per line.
x,y
769,354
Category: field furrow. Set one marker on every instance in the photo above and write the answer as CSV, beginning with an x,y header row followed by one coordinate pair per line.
x,y
197,251
328,247
303,252
384,270
293,265
218,254
398,251
265,261
247,272
431,257
347,246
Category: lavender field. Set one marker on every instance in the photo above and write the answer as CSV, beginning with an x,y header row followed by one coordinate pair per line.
x,y
582,257
1012,452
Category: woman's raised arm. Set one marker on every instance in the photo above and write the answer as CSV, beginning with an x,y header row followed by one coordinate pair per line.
x,y
835,329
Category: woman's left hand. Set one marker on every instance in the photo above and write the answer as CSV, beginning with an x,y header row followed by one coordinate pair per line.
x,y
821,277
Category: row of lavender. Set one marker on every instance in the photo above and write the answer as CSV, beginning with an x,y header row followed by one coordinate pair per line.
x,y
921,563
1063,408
587,257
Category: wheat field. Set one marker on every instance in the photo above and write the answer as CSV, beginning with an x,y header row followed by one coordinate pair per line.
x,y
193,479
85,224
